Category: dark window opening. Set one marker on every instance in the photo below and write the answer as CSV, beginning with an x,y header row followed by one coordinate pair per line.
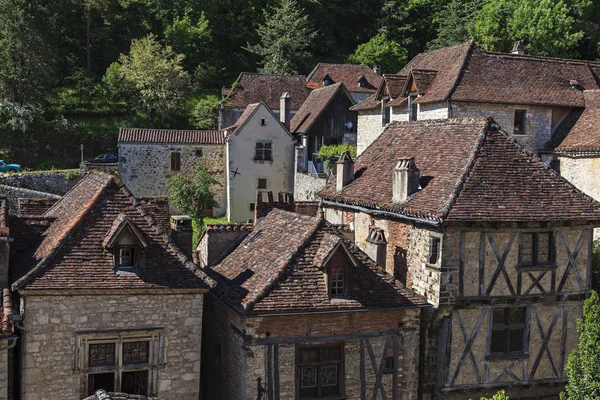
x,y
508,331
389,365
135,352
536,249
104,381
412,105
263,121
135,382
336,281
434,250
126,257
520,122
263,151
175,161
252,206
385,115
262,183
555,165
320,371
101,354
198,152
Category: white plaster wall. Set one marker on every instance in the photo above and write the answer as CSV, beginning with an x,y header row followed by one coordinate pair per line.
x,y
432,111
240,155
538,124
368,128
583,172
399,114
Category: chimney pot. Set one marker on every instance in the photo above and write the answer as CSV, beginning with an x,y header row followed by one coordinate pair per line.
x,y
405,180
285,113
376,246
182,232
518,48
344,171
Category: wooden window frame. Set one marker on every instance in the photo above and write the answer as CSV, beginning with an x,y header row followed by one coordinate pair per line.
x,y
340,369
413,109
523,114
438,261
261,152
506,326
386,113
175,161
339,292
535,263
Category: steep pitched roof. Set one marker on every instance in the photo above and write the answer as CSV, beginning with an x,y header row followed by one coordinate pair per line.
x,y
279,268
315,104
370,103
584,132
6,310
393,85
470,171
348,74
137,135
247,114
72,254
253,88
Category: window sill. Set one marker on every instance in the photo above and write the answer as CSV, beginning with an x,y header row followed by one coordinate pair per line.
x,y
262,161
434,267
126,271
507,356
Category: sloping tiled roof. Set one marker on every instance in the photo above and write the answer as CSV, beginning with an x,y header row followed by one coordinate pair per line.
x,y
423,80
136,135
254,88
6,310
279,268
72,256
348,74
584,135
369,103
235,128
470,171
395,85
35,206
315,104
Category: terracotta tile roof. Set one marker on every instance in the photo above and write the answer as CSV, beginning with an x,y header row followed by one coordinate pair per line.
x,y
315,104
563,129
278,268
72,256
6,309
395,85
348,74
370,103
584,134
35,206
235,128
254,88
136,135
159,208
423,79
470,171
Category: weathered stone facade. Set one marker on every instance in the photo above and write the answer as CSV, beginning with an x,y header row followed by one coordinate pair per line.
x,y
60,325
57,183
271,343
146,167
433,111
369,128
13,194
7,370
306,186
582,171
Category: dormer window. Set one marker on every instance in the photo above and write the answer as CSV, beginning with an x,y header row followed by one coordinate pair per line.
x,y
362,82
412,107
126,259
327,80
336,281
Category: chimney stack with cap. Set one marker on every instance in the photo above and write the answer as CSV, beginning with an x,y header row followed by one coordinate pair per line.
x,y
376,246
405,180
285,114
344,171
518,48
182,233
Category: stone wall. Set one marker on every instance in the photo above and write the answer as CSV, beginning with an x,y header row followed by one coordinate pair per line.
x,y
57,183
146,167
13,194
307,186
368,128
55,349
399,114
538,120
217,239
583,172
433,111
6,372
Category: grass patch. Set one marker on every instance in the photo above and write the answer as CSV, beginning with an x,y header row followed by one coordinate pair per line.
x,y
207,221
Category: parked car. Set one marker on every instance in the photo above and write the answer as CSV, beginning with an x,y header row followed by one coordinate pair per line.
x,y
105,158
4,167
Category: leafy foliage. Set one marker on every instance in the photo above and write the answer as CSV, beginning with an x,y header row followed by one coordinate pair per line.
x,y
332,152
583,366
191,193
380,50
286,38
498,396
455,22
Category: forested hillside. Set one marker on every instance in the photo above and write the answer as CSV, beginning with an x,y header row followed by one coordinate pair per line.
x,y
73,71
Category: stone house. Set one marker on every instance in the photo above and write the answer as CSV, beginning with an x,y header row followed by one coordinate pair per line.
x,y
260,157
528,96
107,299
251,88
149,157
325,118
496,240
300,312
360,80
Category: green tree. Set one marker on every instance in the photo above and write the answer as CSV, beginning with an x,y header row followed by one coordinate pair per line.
x,y
191,193
380,50
455,22
158,77
583,364
490,30
498,396
190,36
286,39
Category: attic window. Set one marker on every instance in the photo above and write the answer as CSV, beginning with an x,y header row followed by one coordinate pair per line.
x,y
336,281
362,82
412,107
263,121
327,80
520,117
575,84
125,257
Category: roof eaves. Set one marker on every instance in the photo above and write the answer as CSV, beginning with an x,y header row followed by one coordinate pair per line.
x,y
331,97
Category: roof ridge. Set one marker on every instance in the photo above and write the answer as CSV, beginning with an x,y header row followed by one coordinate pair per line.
x,y
171,130
261,74
533,57
111,177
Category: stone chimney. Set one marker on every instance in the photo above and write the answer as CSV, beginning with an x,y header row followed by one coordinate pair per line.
x,y
344,171
376,246
377,69
182,232
518,48
285,113
406,179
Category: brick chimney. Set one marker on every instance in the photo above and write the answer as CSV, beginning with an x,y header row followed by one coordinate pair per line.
x,y
344,171
518,48
405,180
182,232
285,113
376,246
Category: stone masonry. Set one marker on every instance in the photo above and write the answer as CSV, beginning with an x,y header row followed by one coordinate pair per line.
x,y
56,324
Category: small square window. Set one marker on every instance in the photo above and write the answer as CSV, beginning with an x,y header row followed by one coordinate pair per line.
x,y
101,354
536,249
135,352
198,152
175,161
262,183
263,151
263,121
126,257
520,117
508,331
435,244
389,365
